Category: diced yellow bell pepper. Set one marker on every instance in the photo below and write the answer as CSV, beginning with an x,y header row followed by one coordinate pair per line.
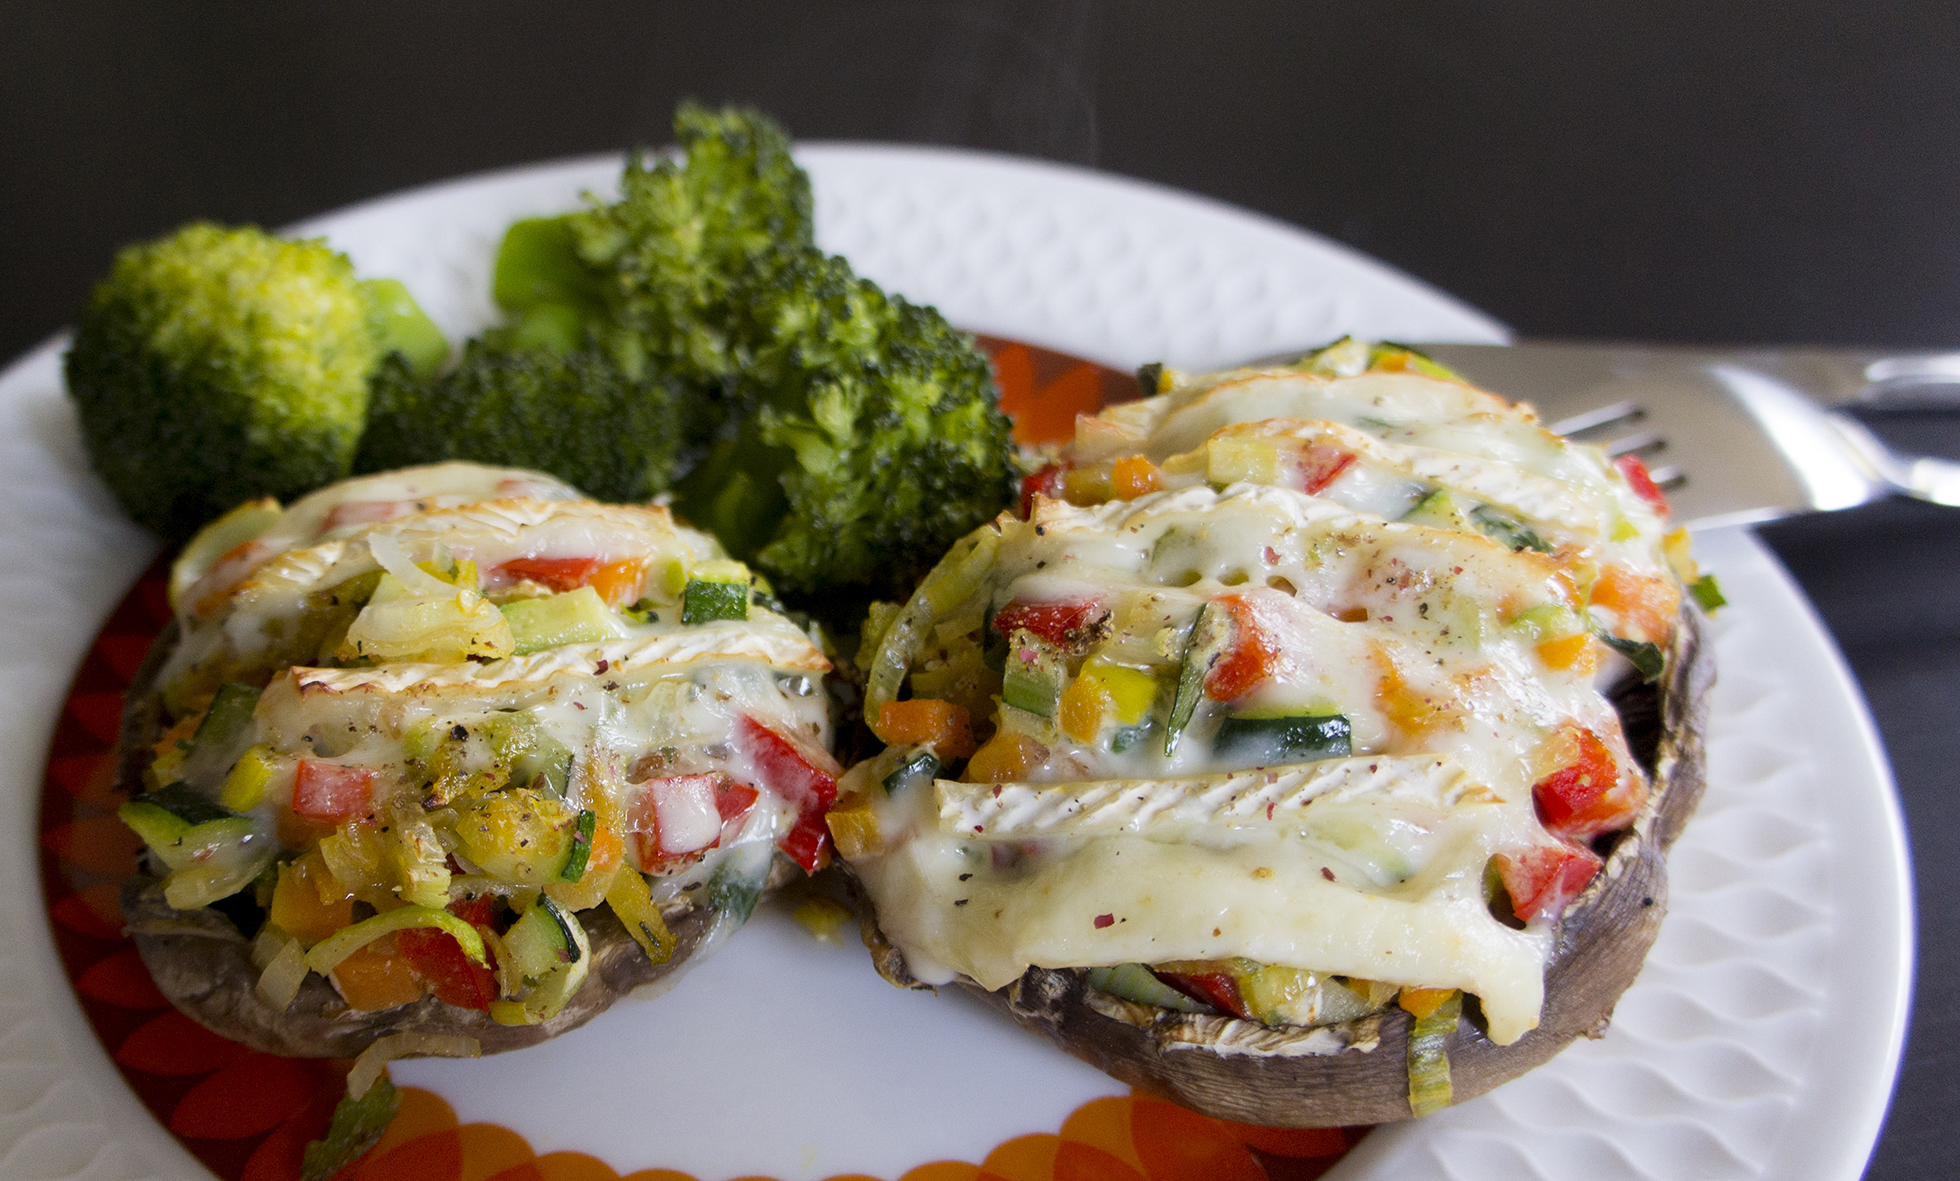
x,y
854,827
1231,460
1130,690
632,903
245,785
823,917
307,903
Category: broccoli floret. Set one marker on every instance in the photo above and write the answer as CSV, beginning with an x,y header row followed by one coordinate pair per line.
x,y
875,440
689,240
219,365
849,437
576,415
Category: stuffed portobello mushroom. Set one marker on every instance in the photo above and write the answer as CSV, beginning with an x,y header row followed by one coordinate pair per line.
x,y
1305,751
455,753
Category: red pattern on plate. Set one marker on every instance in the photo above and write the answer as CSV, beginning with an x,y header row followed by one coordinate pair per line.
x,y
248,1116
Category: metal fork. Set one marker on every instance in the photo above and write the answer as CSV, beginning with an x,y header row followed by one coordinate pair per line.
x,y
1735,435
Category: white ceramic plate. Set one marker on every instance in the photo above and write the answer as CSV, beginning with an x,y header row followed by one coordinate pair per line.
x,y
1761,1039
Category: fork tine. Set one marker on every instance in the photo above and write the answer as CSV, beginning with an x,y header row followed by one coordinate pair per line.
x,y
1645,441
1667,478
1627,412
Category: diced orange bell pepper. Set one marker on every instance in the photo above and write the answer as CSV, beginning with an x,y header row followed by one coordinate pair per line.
x,y
1421,1002
377,976
1574,652
1006,758
304,903
617,583
1252,658
1084,703
1645,604
1133,476
924,721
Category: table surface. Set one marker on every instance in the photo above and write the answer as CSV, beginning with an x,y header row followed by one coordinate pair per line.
x,y
1673,171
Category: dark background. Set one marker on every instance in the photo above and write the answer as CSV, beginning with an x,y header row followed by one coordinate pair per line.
x,y
1743,172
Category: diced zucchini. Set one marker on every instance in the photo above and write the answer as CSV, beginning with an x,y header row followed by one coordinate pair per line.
x,y
1438,510
1134,982
1429,1060
716,590
1505,529
1150,379
541,940
581,851
1346,357
1209,638
550,621
1707,593
227,719
1546,621
1272,741
734,891
1035,673
185,803
551,953
1647,658
922,767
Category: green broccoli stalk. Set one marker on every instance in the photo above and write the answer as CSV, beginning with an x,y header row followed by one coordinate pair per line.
x,y
574,414
219,365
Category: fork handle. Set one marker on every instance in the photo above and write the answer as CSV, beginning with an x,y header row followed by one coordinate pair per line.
x,y
1930,381
1924,477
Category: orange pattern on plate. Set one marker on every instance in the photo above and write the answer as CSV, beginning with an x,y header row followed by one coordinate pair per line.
x,y
248,1116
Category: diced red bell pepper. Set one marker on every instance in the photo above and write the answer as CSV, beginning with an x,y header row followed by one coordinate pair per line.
x,y
1047,482
803,777
332,791
1063,624
560,574
733,800
1642,481
1251,658
480,911
448,972
1320,465
1588,796
1220,990
653,848
1543,879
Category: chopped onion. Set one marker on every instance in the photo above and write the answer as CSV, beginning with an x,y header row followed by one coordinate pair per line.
x,y
280,981
388,551
376,1057
684,809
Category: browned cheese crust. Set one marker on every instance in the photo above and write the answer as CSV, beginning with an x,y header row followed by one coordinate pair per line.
x,y
1242,1070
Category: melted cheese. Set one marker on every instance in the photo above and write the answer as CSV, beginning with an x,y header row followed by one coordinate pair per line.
x,y
1117,846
